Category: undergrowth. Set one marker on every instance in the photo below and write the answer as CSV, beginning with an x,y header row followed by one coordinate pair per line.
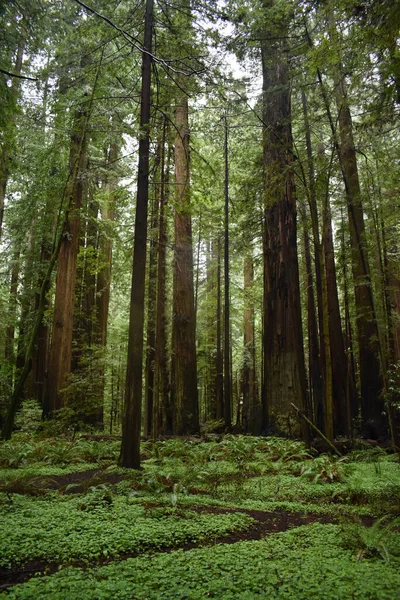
x,y
108,511
308,562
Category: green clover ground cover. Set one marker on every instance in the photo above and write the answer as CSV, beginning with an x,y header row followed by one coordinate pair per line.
x,y
158,508
308,562
88,528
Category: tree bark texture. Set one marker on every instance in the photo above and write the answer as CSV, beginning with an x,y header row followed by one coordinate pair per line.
x,y
314,367
284,367
162,415
184,375
61,343
131,426
152,298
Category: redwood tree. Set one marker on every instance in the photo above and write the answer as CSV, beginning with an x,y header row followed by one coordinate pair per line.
x,y
130,447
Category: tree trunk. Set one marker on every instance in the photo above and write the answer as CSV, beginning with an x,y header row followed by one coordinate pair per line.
x,y
341,384
367,329
40,356
284,375
314,367
103,283
152,303
162,414
211,339
319,368
61,344
219,360
227,328
184,374
105,245
130,447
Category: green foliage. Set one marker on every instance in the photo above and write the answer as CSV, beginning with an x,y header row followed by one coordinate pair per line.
x,y
308,562
376,540
325,469
98,524
29,417
172,502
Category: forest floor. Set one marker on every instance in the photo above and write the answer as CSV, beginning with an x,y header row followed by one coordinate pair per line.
x,y
237,517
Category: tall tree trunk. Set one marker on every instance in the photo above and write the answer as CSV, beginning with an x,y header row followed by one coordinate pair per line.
x,y
321,374
211,341
348,332
342,385
61,343
314,365
152,301
227,328
105,243
40,355
367,329
162,414
85,357
219,359
130,447
285,379
184,375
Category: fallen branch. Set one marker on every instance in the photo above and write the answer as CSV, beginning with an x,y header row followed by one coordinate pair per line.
x,y
318,431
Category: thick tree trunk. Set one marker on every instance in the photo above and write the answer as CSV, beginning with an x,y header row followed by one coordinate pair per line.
x,y
61,343
130,447
285,380
184,374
